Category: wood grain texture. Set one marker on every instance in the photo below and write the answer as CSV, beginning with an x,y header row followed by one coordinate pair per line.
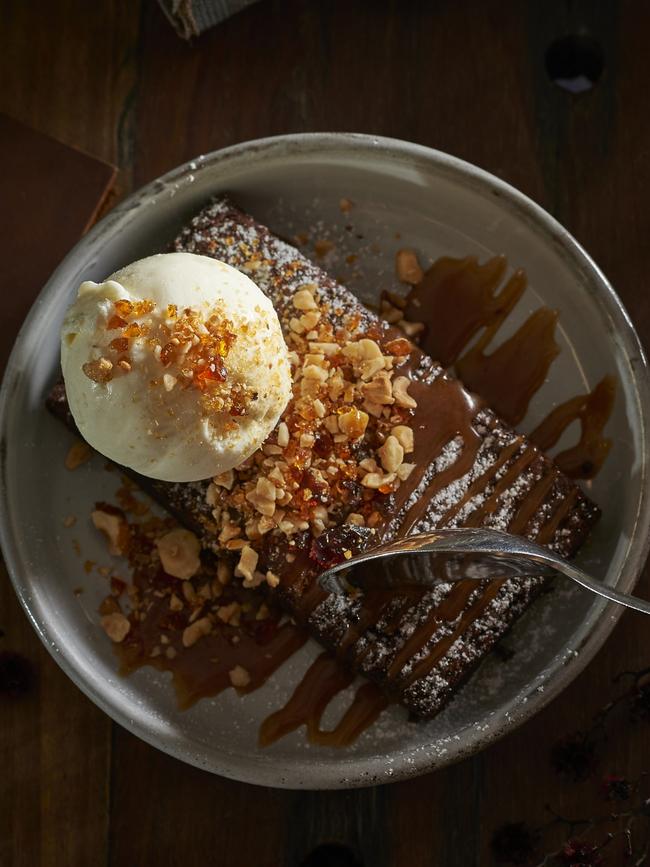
x,y
468,78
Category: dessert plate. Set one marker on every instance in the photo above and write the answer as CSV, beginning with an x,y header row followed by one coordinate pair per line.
x,y
402,194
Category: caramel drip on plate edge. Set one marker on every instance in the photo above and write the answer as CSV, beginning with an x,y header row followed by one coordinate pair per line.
x,y
460,300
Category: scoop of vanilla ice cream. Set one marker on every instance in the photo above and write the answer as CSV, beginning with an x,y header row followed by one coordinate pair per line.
x,y
175,366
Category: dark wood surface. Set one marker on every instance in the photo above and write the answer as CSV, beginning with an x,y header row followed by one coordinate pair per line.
x,y
466,77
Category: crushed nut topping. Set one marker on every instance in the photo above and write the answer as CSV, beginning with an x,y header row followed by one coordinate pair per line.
x,y
339,449
192,351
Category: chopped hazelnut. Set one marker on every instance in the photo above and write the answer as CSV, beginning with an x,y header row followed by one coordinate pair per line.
x,y
229,531
312,371
263,496
400,392
169,381
227,612
407,267
332,424
225,480
116,626
325,348
283,435
379,390
391,454
239,677
196,630
310,319
115,528
378,480
405,437
179,553
304,300
370,367
211,494
247,564
404,471
362,350
373,409
265,525
272,579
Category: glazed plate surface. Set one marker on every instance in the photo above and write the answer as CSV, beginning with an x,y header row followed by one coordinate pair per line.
x,y
403,195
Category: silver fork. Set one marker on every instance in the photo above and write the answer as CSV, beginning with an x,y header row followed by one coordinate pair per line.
x,y
455,555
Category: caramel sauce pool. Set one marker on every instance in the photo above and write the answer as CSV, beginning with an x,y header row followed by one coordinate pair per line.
x,y
464,304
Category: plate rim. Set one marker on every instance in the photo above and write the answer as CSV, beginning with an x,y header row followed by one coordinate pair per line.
x,y
602,617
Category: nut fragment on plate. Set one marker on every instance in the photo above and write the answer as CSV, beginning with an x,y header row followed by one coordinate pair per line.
x,y
239,677
78,454
407,267
196,630
115,527
179,553
116,626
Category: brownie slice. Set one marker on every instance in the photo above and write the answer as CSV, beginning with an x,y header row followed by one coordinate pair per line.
x,y
470,469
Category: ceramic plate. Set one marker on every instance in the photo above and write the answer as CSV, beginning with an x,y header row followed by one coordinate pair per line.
x,y
438,205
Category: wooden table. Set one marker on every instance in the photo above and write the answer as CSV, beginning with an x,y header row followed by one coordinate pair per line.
x,y
465,77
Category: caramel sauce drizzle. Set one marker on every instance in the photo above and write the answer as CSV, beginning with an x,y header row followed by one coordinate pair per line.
x,y
592,410
461,301
325,679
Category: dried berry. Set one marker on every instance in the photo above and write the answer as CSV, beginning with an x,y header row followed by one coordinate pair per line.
x,y
580,853
514,843
575,757
331,546
16,674
617,788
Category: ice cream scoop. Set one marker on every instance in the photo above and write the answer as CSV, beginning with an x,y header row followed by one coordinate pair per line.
x,y
175,366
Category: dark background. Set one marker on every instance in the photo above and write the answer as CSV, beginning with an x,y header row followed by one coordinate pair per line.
x,y
470,78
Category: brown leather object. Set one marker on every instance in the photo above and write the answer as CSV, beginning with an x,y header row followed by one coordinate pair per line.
x,y
51,194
